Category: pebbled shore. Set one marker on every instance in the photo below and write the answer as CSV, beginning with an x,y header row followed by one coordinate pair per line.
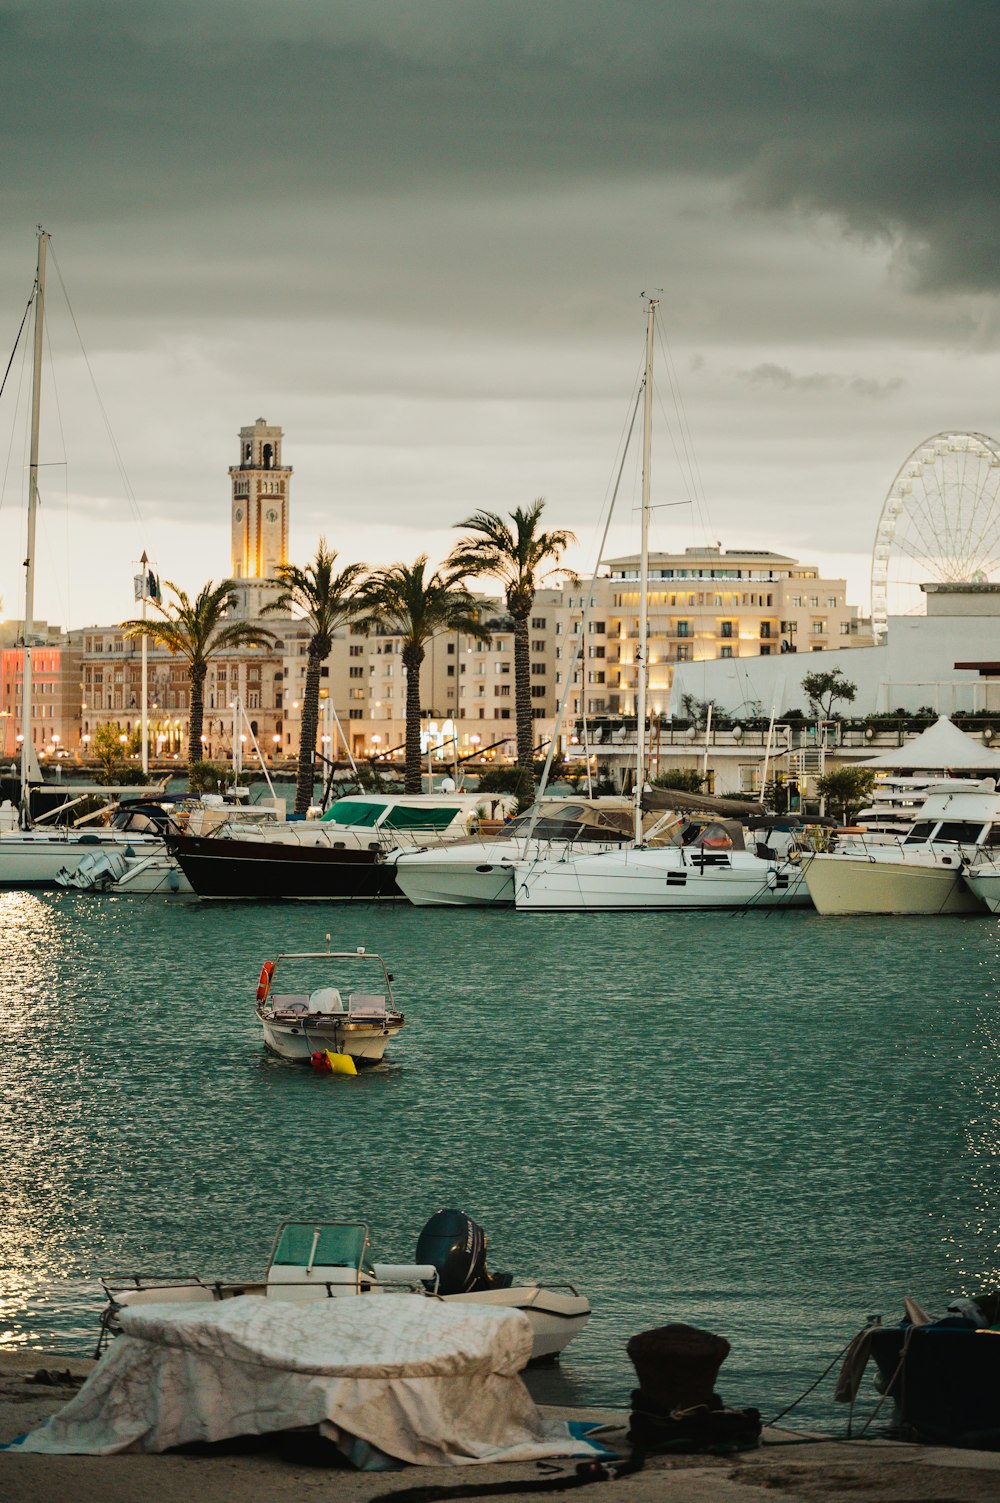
x,y
787,1466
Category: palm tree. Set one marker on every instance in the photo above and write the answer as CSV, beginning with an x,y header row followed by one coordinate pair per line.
x,y
517,556
403,601
326,600
198,630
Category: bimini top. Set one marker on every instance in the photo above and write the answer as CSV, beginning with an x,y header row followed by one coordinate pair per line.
x,y
418,812
942,747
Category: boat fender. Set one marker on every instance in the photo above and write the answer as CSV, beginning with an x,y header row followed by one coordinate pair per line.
x,y
266,972
341,1064
320,1061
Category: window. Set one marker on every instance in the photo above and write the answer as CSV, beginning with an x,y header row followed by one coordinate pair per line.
x,y
814,601
537,668
683,653
538,691
600,627
503,714
503,691
726,652
726,629
356,714
845,628
451,670
817,628
451,649
538,646
765,629
765,652
683,628
797,600
831,601
538,623
357,693
356,672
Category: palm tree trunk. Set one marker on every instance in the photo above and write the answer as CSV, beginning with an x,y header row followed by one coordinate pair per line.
x,y
307,739
522,698
413,656
196,751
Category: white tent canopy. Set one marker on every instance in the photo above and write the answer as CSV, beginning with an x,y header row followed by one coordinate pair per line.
x,y
941,748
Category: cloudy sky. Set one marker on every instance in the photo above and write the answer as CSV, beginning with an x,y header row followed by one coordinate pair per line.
x,y
416,233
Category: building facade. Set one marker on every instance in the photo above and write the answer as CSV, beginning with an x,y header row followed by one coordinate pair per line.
x,y
704,604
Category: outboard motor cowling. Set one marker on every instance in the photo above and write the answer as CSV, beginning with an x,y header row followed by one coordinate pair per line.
x,y
456,1246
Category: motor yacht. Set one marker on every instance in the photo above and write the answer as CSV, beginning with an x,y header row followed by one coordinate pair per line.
x,y
921,873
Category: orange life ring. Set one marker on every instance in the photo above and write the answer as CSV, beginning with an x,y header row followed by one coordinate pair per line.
x,y
266,972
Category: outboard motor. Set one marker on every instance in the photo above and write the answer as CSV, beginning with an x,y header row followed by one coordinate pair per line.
x,y
456,1246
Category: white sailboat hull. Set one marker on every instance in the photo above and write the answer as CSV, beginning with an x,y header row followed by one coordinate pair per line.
x,y
456,884
863,884
665,880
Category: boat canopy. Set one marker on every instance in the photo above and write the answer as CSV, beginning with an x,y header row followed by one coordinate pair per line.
x,y
366,814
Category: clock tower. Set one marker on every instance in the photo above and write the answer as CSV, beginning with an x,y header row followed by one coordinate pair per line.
x,y
261,485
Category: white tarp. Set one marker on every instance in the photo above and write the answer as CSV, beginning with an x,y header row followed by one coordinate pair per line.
x,y
942,747
423,1381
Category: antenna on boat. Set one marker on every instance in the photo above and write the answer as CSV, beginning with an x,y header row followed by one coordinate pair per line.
x,y
328,944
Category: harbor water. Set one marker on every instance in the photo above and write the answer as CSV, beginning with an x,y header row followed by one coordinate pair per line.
x,y
768,1125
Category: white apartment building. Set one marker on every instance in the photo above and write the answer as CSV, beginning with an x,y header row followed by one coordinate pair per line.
x,y
705,603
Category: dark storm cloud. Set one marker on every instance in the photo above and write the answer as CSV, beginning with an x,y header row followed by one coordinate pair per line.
x,y
881,113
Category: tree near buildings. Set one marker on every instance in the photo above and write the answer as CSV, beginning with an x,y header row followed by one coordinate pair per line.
x,y
521,557
325,598
823,690
405,602
847,789
197,630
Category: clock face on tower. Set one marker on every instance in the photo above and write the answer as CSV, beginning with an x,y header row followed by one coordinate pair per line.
x,y
238,514
272,515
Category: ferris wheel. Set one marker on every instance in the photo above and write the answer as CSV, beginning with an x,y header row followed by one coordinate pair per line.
x,y
940,523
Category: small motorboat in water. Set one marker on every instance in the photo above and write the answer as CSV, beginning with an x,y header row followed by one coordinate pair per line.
x,y
330,1259
332,1009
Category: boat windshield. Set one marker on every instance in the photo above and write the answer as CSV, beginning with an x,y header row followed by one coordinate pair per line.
x,y
303,1244
567,822
951,831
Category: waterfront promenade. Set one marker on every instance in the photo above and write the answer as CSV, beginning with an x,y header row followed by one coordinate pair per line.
x,y
787,1466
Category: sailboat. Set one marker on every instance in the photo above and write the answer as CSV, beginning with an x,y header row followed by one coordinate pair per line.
x,y
693,869
31,856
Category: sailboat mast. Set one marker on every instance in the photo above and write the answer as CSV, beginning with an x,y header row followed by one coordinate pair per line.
x,y
641,656
144,562
28,628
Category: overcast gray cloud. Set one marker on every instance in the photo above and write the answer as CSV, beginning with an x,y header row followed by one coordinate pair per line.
x,y
415,234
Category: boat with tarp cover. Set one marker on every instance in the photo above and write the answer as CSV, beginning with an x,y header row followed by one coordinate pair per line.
x,y
314,1260
337,857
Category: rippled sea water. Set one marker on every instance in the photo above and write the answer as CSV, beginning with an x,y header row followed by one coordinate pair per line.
x,y
769,1125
